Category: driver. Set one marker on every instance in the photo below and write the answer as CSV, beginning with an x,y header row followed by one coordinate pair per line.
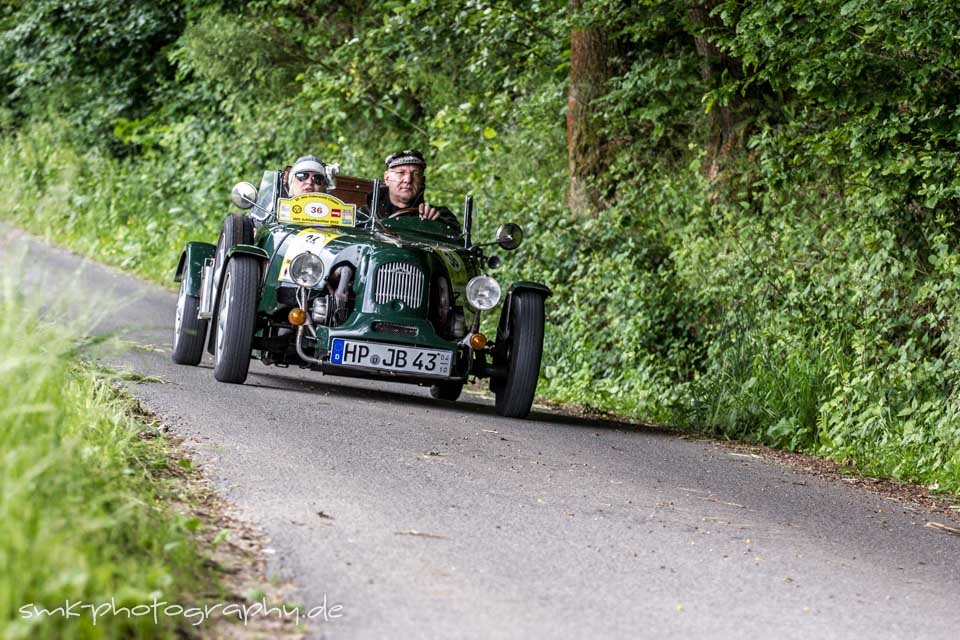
x,y
405,180
307,175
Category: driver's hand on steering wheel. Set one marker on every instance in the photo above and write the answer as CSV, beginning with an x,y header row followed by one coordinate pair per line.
x,y
428,212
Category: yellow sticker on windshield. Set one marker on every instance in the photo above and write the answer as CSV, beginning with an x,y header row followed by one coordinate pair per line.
x,y
316,208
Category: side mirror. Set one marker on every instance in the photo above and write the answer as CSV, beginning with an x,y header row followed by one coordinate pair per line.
x,y
509,236
244,195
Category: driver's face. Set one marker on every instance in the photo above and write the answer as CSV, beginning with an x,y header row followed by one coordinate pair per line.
x,y
404,184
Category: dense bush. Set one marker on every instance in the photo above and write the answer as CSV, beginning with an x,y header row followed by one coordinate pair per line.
x,y
795,284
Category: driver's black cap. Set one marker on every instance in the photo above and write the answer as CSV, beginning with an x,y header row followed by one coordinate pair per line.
x,y
407,156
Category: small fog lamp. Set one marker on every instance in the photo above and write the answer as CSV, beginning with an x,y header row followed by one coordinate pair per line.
x,y
297,316
483,292
306,270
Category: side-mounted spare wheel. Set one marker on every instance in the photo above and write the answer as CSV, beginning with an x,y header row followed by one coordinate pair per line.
x,y
524,350
236,319
236,229
189,332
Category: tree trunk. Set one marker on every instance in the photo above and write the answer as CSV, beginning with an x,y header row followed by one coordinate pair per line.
x,y
590,50
726,122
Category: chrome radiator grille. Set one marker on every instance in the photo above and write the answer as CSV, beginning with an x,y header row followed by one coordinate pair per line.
x,y
399,281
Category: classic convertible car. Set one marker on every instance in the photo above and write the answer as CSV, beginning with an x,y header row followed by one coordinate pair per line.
x,y
321,281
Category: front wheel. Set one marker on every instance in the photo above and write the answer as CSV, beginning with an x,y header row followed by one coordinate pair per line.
x,y
236,318
189,331
236,229
515,391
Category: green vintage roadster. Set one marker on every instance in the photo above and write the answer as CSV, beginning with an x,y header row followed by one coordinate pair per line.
x,y
322,282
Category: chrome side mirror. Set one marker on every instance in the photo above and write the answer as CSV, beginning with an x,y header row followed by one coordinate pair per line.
x,y
509,236
244,195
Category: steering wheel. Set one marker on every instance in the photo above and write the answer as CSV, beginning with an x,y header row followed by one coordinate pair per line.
x,y
406,211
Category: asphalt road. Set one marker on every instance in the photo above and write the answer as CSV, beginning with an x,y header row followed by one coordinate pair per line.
x,y
429,520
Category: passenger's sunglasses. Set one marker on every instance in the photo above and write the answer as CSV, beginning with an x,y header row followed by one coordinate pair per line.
x,y
303,176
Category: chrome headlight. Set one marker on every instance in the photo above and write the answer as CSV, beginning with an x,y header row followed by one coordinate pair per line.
x,y
306,270
483,292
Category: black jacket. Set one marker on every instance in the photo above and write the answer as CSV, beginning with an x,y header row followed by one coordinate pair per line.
x,y
387,208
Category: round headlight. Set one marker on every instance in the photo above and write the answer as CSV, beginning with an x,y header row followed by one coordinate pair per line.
x,y
306,270
483,292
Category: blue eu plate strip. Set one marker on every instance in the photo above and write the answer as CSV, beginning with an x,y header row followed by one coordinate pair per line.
x,y
336,354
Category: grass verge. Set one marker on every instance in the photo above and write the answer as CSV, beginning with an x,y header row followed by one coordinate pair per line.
x,y
96,506
83,484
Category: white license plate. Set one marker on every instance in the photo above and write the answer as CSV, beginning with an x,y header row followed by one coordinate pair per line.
x,y
390,357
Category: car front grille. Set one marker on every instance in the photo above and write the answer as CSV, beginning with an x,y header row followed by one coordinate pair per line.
x,y
399,281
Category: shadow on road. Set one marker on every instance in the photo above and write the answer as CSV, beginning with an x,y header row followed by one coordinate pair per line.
x,y
469,403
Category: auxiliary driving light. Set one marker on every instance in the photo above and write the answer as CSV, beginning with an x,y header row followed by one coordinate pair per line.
x,y
483,292
478,341
297,316
306,270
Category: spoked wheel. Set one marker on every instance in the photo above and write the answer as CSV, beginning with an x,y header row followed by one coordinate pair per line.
x,y
189,332
237,229
448,391
516,390
236,317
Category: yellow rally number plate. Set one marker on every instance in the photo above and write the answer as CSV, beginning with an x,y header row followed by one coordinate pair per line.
x,y
317,209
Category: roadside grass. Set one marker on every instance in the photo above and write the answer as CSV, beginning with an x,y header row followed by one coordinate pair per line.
x,y
83,486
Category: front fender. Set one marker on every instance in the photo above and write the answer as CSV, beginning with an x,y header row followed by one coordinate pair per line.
x,y
190,265
249,250
503,328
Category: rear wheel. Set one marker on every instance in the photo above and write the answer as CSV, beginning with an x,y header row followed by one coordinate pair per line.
x,y
237,229
189,332
516,390
448,391
236,318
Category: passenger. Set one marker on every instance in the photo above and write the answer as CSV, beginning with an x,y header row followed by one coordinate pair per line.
x,y
405,179
307,175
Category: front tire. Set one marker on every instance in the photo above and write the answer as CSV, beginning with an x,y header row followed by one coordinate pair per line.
x,y
236,229
236,319
515,391
189,332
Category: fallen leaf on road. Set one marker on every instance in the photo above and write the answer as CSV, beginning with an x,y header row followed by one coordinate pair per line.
x,y
943,527
732,504
420,534
693,490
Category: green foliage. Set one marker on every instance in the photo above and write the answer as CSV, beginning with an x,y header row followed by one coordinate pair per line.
x,y
802,297
81,482
88,60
